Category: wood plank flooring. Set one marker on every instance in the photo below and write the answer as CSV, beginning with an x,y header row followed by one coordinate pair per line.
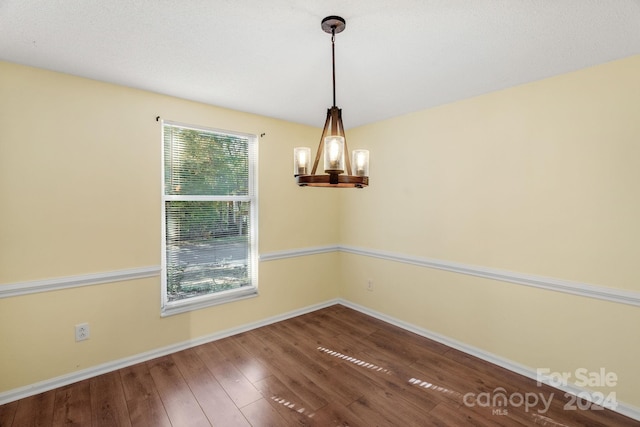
x,y
332,367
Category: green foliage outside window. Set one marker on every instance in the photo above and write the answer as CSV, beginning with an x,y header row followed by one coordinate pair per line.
x,y
207,212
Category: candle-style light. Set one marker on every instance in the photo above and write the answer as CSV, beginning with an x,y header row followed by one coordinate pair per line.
x,y
334,154
301,161
333,143
361,162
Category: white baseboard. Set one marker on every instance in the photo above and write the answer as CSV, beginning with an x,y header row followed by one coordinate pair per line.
x,y
42,386
622,408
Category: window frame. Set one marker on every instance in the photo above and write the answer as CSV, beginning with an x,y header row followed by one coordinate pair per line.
x,y
202,301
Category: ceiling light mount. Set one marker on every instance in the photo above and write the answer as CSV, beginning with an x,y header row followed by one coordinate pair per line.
x,y
333,143
333,24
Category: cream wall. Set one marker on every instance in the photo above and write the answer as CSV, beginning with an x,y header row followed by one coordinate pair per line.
x,y
540,179
80,182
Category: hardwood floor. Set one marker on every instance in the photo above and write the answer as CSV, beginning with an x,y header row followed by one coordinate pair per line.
x,y
332,367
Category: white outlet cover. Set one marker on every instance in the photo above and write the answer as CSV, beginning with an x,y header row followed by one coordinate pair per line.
x,y
82,331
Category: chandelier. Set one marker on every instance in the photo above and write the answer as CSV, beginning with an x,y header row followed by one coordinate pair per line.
x,y
333,144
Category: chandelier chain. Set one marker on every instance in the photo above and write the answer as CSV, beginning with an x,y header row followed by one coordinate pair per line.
x,y
333,61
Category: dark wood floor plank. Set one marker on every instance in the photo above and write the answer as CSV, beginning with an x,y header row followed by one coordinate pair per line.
x,y
35,410
350,340
313,326
457,368
383,393
440,370
214,401
393,380
565,409
356,318
446,415
347,323
334,387
108,404
7,413
383,408
72,405
405,346
440,378
481,365
237,386
493,375
302,342
181,405
143,400
307,360
261,414
250,366
290,406
294,379
336,414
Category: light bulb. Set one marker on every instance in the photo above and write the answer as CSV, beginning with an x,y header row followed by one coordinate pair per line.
x,y
334,154
361,162
301,160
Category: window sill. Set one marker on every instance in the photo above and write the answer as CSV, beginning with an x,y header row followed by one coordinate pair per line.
x,y
198,303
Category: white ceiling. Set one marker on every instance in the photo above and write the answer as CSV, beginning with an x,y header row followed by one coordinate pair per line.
x,y
271,57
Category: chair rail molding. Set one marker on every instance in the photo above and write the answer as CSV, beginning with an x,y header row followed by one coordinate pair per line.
x,y
622,296
54,284
603,293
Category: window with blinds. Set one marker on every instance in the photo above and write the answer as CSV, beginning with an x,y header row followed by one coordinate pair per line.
x,y
209,206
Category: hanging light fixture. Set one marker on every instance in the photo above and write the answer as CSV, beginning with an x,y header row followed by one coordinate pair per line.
x,y
333,144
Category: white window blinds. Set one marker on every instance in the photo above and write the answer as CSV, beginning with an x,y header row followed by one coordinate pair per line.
x,y
209,209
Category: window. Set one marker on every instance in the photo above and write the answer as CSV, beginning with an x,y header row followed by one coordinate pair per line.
x,y
210,220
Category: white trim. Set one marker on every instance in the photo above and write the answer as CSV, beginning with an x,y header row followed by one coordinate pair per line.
x,y
46,285
181,198
291,253
208,129
42,386
575,288
622,408
175,307
196,303
603,293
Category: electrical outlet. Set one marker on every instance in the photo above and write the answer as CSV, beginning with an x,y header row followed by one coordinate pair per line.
x,y
82,331
370,285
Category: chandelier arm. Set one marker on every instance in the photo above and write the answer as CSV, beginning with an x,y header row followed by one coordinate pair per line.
x,y
321,144
347,160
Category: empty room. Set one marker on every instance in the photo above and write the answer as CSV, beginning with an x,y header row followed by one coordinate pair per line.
x,y
321,213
